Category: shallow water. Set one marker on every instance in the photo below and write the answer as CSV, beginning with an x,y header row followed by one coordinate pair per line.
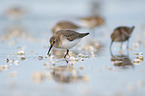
x,y
87,76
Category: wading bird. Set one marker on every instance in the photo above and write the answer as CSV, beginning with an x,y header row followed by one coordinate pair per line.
x,y
65,39
121,34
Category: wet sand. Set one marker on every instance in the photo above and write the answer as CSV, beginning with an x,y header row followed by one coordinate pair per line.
x,y
90,71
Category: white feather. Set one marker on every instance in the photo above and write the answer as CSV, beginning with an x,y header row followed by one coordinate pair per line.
x,y
66,44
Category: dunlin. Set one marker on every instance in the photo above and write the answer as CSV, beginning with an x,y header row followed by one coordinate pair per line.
x,y
121,34
64,25
92,21
65,39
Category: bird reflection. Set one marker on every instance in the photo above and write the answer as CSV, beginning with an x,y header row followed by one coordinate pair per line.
x,y
60,53
66,74
122,61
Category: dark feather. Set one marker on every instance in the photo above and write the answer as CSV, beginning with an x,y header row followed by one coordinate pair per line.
x,y
71,35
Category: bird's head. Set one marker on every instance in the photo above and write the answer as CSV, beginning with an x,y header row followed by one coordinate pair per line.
x,y
52,42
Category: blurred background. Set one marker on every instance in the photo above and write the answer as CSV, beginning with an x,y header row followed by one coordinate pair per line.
x,y
27,25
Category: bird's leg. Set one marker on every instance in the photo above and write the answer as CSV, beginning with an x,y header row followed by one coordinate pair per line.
x,y
127,44
121,46
111,47
66,53
67,61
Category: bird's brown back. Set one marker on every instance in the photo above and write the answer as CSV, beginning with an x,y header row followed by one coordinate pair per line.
x,y
98,19
64,25
121,33
67,24
70,34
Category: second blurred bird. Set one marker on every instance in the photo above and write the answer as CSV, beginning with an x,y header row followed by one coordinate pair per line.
x,y
64,25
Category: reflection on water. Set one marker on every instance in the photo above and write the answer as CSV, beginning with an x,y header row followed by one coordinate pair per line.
x,y
60,53
27,61
65,74
62,74
92,47
122,61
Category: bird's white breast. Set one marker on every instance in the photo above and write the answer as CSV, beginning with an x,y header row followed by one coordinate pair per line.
x,y
66,44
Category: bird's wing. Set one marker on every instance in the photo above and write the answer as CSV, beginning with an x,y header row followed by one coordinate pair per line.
x,y
69,34
116,34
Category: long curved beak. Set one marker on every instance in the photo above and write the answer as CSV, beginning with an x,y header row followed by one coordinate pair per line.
x,y
49,49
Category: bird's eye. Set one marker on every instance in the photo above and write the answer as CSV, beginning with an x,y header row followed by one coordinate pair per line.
x,y
53,42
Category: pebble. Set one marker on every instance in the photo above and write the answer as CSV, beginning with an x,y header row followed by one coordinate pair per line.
x,y
56,61
20,53
23,58
16,62
77,59
136,61
53,64
82,60
40,57
72,58
140,58
135,54
80,55
11,62
31,51
7,60
71,54
140,53
46,63
51,57
4,67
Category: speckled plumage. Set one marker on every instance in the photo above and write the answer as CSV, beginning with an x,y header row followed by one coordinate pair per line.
x,y
66,39
70,35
